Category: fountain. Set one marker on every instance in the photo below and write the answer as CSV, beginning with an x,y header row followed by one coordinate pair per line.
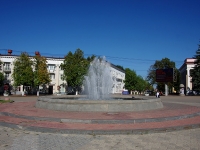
x,y
98,84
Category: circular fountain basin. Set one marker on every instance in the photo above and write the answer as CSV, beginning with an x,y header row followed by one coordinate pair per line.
x,y
72,103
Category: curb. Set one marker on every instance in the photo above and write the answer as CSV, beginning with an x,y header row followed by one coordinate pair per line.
x,y
102,121
99,132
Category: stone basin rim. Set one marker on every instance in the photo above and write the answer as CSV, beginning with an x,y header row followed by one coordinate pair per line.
x,y
52,99
54,103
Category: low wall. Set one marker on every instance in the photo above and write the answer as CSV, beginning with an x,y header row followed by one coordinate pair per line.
x,y
117,105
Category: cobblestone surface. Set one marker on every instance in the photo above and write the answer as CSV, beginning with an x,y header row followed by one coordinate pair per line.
x,y
13,139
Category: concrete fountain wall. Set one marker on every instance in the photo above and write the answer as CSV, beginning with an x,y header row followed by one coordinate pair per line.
x,y
118,105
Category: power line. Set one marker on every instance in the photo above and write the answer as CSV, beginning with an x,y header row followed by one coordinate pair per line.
x,y
108,57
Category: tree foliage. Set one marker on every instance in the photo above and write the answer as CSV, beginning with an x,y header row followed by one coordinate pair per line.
x,y
91,58
130,79
162,64
195,73
75,66
141,84
41,74
23,71
135,82
176,84
1,75
1,78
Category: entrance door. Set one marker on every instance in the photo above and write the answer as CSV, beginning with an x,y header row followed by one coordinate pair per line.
x,y
50,89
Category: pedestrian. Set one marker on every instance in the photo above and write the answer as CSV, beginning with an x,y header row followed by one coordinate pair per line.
x,y
157,94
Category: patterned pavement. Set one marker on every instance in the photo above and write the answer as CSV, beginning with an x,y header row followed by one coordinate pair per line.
x,y
11,139
19,139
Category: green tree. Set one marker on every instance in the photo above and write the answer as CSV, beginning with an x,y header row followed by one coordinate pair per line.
x,y
141,84
23,71
1,78
75,66
41,74
91,58
1,75
130,79
176,83
161,64
195,73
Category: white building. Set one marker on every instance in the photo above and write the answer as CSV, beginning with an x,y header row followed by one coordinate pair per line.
x,y
185,71
118,77
55,71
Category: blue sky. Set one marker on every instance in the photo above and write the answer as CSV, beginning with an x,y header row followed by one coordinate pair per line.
x,y
130,33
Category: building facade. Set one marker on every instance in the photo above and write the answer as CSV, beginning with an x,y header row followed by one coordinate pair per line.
x,y
57,84
185,71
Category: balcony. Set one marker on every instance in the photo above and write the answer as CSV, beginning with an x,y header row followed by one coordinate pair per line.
x,y
7,69
51,70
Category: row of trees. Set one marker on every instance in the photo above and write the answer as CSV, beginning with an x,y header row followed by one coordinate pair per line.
x,y
1,75
134,82
30,72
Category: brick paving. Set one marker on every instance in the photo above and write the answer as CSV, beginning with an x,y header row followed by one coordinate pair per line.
x,y
173,116
27,124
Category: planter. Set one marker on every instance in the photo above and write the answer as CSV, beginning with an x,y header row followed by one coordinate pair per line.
x,y
5,94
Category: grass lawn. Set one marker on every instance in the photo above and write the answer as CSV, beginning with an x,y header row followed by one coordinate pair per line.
x,y
6,101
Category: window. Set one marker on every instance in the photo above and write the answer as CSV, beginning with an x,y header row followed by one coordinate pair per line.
x,y
61,76
19,88
7,75
51,66
190,72
119,80
6,66
52,76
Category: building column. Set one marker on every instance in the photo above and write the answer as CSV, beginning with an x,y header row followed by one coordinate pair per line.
x,y
188,79
57,76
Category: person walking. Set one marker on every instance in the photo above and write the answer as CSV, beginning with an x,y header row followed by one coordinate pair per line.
x,y
157,94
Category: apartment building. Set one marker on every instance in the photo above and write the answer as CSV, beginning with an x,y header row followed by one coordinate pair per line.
x,y
57,84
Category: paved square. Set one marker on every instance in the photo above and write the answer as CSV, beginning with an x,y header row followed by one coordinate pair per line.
x,y
187,139
13,139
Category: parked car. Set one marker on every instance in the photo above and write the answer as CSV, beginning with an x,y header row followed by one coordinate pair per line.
x,y
196,92
192,93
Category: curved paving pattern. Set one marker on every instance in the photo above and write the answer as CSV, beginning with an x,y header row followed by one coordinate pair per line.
x,y
24,115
